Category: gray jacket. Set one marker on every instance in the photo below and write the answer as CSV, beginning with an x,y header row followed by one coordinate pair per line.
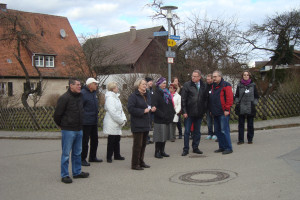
x,y
247,97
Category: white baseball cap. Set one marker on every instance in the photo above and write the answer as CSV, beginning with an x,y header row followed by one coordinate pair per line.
x,y
91,80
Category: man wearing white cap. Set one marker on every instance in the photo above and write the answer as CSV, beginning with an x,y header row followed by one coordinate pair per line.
x,y
90,122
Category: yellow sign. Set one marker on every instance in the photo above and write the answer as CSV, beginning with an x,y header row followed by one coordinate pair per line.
x,y
171,43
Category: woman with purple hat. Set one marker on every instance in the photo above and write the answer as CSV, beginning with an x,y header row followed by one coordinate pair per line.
x,y
163,117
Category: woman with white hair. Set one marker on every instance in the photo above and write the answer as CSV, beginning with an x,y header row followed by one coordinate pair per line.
x,y
113,122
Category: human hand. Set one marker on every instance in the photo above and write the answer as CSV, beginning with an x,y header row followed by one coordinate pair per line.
x,y
146,110
185,115
226,113
153,109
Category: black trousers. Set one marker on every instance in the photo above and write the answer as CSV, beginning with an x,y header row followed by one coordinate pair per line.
x,y
138,148
90,132
113,146
250,127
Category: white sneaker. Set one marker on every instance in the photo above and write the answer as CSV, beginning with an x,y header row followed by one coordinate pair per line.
x,y
208,137
214,137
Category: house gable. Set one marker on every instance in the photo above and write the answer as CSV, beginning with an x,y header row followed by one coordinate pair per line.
x,y
49,46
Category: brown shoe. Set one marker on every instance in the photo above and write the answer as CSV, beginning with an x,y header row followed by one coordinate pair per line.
x,y
144,165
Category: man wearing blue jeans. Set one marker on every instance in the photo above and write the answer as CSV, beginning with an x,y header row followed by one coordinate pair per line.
x,y
194,104
68,116
220,102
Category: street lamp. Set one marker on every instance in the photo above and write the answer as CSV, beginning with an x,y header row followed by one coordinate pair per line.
x,y
169,18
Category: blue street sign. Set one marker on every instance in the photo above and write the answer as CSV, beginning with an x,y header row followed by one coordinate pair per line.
x,y
160,33
175,37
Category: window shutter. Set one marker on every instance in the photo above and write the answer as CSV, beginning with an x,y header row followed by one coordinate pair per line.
x,y
10,89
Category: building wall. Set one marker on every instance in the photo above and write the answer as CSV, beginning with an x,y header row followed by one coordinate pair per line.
x,y
50,89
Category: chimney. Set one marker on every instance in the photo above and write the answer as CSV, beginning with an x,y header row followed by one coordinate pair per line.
x,y
132,34
3,7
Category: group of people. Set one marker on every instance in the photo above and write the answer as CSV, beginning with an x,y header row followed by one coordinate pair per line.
x,y
77,115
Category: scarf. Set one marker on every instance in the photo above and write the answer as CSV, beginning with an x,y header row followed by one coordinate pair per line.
x,y
167,95
245,83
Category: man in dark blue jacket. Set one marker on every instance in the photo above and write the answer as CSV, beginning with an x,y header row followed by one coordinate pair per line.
x,y
194,104
90,122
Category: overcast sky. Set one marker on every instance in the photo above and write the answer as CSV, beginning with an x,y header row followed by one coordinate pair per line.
x,y
107,17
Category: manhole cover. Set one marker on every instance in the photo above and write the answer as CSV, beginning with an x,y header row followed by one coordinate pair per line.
x,y
204,177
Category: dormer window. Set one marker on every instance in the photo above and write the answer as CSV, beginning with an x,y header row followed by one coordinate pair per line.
x,y
39,61
44,61
49,61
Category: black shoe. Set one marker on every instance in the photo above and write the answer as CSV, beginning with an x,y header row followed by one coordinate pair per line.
x,y
164,154
85,163
180,137
250,142
240,142
66,179
144,165
227,152
197,151
95,160
82,175
120,158
137,168
158,155
219,150
184,153
150,142
109,160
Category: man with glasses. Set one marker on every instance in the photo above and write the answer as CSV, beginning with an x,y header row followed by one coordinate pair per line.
x,y
194,104
220,102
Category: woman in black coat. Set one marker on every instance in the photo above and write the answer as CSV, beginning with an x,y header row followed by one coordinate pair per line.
x,y
139,107
163,117
246,98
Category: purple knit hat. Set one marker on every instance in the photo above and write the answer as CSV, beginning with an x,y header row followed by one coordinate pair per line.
x,y
160,81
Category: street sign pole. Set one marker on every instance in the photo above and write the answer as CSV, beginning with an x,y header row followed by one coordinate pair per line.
x,y
169,49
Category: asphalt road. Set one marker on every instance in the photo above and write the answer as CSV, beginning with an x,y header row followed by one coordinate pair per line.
x,y
268,169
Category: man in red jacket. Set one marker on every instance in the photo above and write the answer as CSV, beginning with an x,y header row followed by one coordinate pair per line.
x,y
220,102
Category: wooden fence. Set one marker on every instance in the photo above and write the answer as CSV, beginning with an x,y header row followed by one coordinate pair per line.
x,y
271,107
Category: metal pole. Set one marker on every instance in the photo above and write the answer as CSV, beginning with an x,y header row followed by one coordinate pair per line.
x,y
169,49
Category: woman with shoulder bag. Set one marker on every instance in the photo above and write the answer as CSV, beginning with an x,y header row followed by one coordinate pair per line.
x,y
246,98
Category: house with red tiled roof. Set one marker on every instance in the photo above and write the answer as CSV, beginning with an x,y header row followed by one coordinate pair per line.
x,y
53,35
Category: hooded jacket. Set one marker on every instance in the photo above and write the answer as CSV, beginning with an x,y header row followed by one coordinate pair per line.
x,y
114,118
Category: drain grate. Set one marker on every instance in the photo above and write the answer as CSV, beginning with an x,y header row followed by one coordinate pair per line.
x,y
204,177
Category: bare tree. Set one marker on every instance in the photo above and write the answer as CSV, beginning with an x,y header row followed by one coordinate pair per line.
x,y
213,44
278,35
17,36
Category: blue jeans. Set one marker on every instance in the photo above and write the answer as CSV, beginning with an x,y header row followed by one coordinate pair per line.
x,y
222,131
71,141
209,119
196,133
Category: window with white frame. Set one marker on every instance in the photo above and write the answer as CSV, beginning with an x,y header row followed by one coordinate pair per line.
x,y
49,61
43,61
39,61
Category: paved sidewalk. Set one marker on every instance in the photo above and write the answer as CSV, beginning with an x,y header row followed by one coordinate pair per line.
x,y
259,125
